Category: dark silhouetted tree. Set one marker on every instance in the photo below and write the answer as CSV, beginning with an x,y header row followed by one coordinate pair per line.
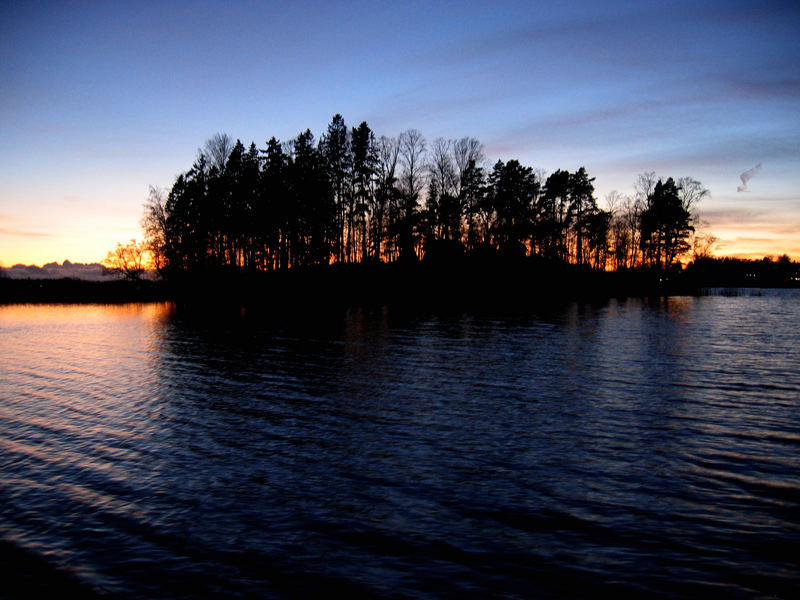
x,y
442,202
412,158
386,214
335,151
275,214
363,193
154,226
666,226
470,197
468,159
354,198
620,233
553,216
189,221
309,189
582,205
510,195
597,231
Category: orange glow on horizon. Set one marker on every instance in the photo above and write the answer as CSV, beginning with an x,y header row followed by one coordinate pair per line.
x,y
732,242
49,249
87,313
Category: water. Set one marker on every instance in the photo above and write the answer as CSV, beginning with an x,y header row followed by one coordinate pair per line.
x,y
633,448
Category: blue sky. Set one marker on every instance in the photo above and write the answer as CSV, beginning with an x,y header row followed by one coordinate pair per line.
x,y
100,100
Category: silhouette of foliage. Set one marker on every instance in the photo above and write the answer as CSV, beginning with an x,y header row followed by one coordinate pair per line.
x,y
666,225
127,260
354,197
154,226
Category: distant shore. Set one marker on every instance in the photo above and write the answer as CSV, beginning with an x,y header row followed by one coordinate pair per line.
x,y
461,284
41,291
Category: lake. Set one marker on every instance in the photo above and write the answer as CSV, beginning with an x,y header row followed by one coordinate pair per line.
x,y
633,447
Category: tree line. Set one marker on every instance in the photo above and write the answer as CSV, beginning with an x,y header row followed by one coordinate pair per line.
x,y
353,197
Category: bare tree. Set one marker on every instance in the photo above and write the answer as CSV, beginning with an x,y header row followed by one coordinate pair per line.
x,y
634,208
443,212
412,157
386,210
702,242
127,260
412,148
703,245
691,192
466,150
441,166
620,233
217,149
644,185
154,225
388,154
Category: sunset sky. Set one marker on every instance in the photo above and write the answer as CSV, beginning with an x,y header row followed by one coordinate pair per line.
x,y
98,101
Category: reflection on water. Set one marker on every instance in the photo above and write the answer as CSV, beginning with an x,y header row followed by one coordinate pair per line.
x,y
645,447
83,314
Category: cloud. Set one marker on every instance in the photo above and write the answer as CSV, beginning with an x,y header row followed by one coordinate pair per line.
x,y
775,87
776,229
719,151
613,120
607,31
747,176
89,272
19,233
630,35
753,240
753,229
733,216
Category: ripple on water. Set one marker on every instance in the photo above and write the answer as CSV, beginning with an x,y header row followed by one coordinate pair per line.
x,y
631,448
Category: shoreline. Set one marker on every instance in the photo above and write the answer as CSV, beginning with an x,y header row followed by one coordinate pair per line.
x,y
464,284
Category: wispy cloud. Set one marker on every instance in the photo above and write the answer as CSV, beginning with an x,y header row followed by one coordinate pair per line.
x,y
633,35
776,227
734,216
605,30
770,87
613,120
20,233
727,150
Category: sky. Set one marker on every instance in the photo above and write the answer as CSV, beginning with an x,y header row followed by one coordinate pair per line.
x,y
100,100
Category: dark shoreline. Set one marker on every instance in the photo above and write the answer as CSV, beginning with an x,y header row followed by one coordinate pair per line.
x,y
453,285
78,291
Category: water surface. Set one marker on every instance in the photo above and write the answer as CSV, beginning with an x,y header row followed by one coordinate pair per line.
x,y
635,448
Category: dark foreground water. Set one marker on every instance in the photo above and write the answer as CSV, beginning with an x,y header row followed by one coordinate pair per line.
x,y
631,448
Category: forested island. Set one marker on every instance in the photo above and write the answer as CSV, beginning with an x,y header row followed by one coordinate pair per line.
x,y
357,198
356,218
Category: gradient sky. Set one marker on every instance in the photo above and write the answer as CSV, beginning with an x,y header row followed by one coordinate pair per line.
x,y
98,101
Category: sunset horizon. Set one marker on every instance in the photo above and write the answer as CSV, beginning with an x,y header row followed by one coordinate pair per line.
x,y
412,299
752,242
753,254
102,102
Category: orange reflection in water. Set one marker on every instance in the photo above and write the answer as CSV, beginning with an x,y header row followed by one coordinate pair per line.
x,y
77,386
87,313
